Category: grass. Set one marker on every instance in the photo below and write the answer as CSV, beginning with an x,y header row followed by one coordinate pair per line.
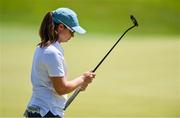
x,y
140,78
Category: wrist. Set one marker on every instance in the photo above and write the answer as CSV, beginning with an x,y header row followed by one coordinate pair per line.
x,y
82,79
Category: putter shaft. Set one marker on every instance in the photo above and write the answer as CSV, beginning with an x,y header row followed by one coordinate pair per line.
x,y
77,91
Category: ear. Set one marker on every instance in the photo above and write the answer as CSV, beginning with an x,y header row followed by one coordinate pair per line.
x,y
60,27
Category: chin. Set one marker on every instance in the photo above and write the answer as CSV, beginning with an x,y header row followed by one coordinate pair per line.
x,y
66,40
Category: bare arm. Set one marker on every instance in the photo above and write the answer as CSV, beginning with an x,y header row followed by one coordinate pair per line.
x,y
62,86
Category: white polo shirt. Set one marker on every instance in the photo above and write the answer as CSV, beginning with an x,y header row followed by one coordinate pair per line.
x,y
48,62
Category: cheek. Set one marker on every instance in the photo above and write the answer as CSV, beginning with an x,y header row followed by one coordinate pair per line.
x,y
62,35
65,36
68,35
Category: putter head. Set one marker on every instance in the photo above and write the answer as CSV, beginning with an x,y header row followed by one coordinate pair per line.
x,y
134,20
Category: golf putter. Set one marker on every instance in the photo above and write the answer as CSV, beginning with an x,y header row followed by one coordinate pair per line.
x,y
73,96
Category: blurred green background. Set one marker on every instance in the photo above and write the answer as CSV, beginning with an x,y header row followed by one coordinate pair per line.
x,y
140,78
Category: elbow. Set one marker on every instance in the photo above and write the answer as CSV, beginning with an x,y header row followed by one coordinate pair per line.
x,y
61,92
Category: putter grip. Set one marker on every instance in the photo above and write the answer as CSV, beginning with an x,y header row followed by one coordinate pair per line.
x,y
77,91
72,97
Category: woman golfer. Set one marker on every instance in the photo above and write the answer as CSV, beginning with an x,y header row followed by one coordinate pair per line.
x,y
49,72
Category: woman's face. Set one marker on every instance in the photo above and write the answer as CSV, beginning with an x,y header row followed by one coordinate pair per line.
x,y
64,33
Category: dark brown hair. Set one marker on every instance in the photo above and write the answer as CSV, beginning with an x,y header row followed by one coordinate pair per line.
x,y
47,31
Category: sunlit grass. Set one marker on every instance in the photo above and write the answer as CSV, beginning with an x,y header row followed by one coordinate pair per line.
x,y
140,78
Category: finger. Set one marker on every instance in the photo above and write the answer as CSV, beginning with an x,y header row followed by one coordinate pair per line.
x,y
83,88
89,80
94,74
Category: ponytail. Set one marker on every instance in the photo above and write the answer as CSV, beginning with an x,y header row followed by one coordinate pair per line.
x,y
47,31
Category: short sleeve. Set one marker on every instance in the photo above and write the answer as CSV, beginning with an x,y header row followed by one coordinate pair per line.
x,y
54,62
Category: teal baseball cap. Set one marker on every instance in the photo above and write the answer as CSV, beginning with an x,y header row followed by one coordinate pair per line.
x,y
69,18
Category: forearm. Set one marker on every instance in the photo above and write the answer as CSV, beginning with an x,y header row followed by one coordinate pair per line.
x,y
62,86
73,84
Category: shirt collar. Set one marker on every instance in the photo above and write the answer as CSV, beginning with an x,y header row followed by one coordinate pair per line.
x,y
59,47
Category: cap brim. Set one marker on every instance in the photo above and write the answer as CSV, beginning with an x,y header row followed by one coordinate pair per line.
x,y
79,30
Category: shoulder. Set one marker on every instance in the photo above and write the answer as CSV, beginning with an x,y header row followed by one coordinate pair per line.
x,y
52,53
51,50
